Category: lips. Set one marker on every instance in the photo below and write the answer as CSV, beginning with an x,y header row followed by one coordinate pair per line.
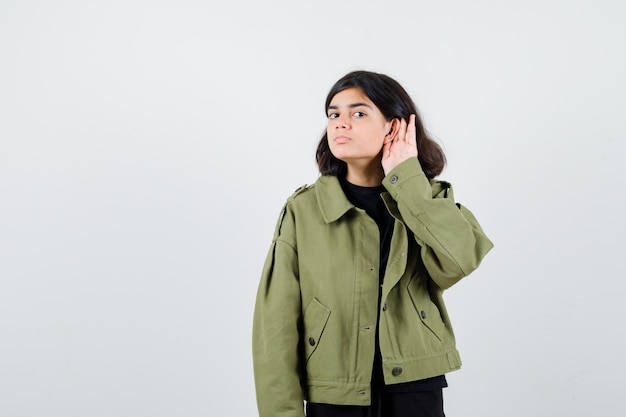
x,y
342,139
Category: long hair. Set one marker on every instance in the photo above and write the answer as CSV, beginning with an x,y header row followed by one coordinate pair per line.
x,y
394,103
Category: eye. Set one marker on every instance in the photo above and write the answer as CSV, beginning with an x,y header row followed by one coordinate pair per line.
x,y
333,115
359,114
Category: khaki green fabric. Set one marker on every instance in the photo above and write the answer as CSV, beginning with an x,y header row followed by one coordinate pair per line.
x,y
317,303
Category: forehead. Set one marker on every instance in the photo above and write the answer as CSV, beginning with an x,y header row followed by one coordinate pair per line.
x,y
350,96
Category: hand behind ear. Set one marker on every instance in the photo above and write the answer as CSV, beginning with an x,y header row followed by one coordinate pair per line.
x,y
402,147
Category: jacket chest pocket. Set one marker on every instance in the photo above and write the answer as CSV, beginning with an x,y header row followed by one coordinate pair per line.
x,y
315,319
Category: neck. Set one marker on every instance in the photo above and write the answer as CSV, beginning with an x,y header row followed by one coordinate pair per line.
x,y
367,176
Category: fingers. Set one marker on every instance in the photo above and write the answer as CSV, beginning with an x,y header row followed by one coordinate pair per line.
x,y
407,132
402,146
410,133
401,135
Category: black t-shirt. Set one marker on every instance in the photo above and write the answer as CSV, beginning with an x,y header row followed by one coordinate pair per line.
x,y
370,200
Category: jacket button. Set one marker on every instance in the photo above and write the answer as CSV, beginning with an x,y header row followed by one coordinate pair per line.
x,y
311,341
423,314
385,307
394,179
396,371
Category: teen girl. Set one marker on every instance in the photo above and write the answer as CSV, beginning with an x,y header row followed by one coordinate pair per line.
x,y
349,316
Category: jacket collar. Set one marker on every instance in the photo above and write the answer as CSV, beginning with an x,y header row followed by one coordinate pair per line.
x,y
331,199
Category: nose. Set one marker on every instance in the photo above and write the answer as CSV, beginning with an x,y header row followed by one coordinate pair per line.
x,y
342,122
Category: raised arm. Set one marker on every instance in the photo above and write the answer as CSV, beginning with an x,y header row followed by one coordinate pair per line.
x,y
452,242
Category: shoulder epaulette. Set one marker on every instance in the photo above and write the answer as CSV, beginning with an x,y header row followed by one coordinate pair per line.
x,y
279,223
298,191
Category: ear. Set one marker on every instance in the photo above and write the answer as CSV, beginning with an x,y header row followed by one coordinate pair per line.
x,y
394,127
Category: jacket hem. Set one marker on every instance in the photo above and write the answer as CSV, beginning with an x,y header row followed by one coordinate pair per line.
x,y
338,393
410,369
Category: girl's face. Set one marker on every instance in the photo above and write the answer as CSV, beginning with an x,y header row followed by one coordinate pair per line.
x,y
356,129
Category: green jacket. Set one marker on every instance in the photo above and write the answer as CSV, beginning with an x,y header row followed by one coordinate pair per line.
x,y
317,303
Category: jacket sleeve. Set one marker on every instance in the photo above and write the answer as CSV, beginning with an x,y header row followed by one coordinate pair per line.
x,y
276,328
452,242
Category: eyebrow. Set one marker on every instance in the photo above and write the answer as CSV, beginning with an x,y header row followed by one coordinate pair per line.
x,y
351,106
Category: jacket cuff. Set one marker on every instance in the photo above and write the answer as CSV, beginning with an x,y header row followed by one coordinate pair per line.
x,y
404,172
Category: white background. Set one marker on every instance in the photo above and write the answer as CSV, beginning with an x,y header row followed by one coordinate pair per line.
x,y
146,148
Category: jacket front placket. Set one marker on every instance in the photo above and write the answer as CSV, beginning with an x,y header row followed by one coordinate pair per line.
x,y
398,250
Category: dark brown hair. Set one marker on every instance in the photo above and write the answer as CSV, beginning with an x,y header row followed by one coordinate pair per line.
x,y
394,103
